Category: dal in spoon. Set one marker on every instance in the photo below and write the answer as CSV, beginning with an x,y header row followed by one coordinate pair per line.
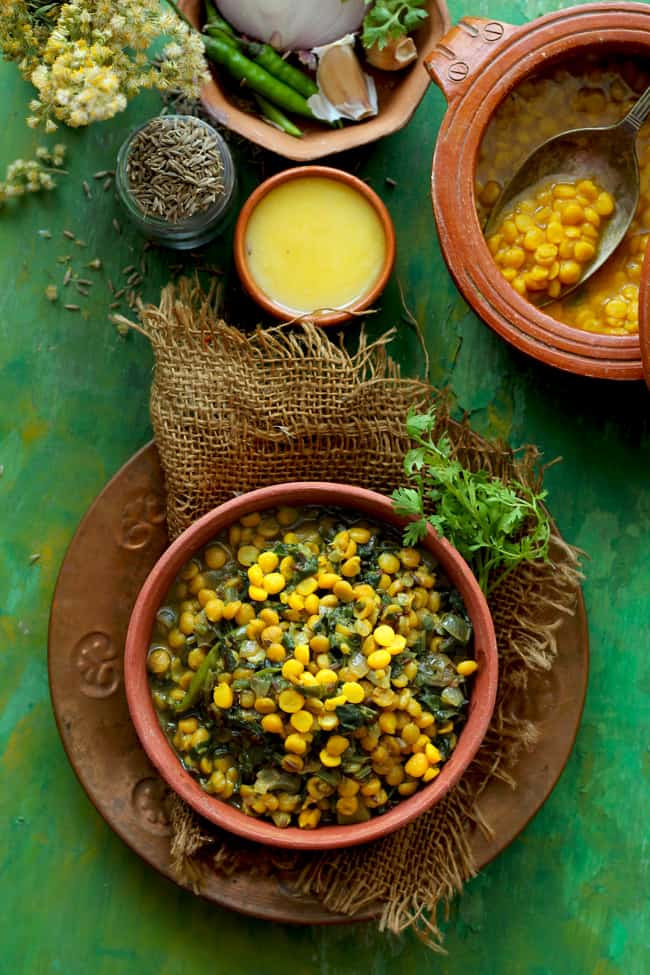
x,y
607,154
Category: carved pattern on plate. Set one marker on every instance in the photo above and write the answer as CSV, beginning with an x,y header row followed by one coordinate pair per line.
x,y
141,517
148,799
96,659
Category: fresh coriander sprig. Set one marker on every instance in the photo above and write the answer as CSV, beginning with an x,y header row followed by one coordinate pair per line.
x,y
494,526
388,20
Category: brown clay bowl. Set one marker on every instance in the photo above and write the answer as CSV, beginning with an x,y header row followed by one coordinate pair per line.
x,y
399,94
301,172
159,750
476,65
644,318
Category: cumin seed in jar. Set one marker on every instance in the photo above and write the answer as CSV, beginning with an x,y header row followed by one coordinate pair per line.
x,y
175,168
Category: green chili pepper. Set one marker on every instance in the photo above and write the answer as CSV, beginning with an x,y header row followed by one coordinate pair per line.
x,y
221,35
276,117
263,54
198,680
255,77
214,22
269,59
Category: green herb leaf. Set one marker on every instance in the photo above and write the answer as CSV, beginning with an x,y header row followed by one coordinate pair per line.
x,y
407,501
494,526
389,20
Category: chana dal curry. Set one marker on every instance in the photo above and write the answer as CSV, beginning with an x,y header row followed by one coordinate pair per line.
x,y
574,94
309,669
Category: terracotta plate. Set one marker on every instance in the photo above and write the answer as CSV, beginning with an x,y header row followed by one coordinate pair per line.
x,y
399,94
112,552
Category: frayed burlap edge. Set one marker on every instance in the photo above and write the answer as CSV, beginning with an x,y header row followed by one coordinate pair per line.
x,y
411,876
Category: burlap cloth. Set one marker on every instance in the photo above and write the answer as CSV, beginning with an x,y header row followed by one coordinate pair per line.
x,y
234,411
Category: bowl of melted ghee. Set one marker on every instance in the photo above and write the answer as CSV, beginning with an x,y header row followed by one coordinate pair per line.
x,y
314,243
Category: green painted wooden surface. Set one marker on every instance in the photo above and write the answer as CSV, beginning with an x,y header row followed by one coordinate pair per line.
x,y
569,897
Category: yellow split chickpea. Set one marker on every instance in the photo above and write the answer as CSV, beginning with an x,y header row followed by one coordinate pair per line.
x,y
223,696
215,557
379,659
158,661
552,244
274,583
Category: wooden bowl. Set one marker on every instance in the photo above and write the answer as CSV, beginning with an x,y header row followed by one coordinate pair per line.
x,y
159,750
322,172
476,65
399,94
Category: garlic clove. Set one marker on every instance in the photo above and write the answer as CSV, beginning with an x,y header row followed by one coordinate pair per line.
x,y
344,90
394,56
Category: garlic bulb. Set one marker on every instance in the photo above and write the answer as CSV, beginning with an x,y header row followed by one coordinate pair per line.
x,y
399,52
292,25
344,90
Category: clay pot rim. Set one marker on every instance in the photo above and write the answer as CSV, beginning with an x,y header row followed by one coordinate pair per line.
x,y
522,51
321,172
160,751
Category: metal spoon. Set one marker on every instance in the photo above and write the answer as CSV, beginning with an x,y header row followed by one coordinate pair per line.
x,y
607,154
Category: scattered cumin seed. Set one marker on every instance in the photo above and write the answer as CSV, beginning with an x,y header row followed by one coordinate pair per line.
x,y
116,226
118,294
85,282
34,558
95,264
69,235
389,181
111,286
72,307
63,258
67,277
134,278
107,184
45,234
86,189
128,269
102,174
114,304
82,291
52,292
81,243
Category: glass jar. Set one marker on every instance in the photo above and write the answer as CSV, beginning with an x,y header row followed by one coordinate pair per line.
x,y
192,231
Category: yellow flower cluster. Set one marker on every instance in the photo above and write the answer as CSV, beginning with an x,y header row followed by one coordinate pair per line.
x,y
31,175
87,58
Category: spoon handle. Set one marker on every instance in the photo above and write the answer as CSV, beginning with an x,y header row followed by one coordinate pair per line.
x,y
638,114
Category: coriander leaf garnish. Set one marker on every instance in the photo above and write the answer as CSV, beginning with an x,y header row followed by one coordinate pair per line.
x,y
495,526
388,20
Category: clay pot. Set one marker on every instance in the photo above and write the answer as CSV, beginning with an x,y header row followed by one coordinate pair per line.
x,y
476,65
399,94
322,172
159,750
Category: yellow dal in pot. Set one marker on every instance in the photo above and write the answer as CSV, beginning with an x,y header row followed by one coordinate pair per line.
x,y
577,93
